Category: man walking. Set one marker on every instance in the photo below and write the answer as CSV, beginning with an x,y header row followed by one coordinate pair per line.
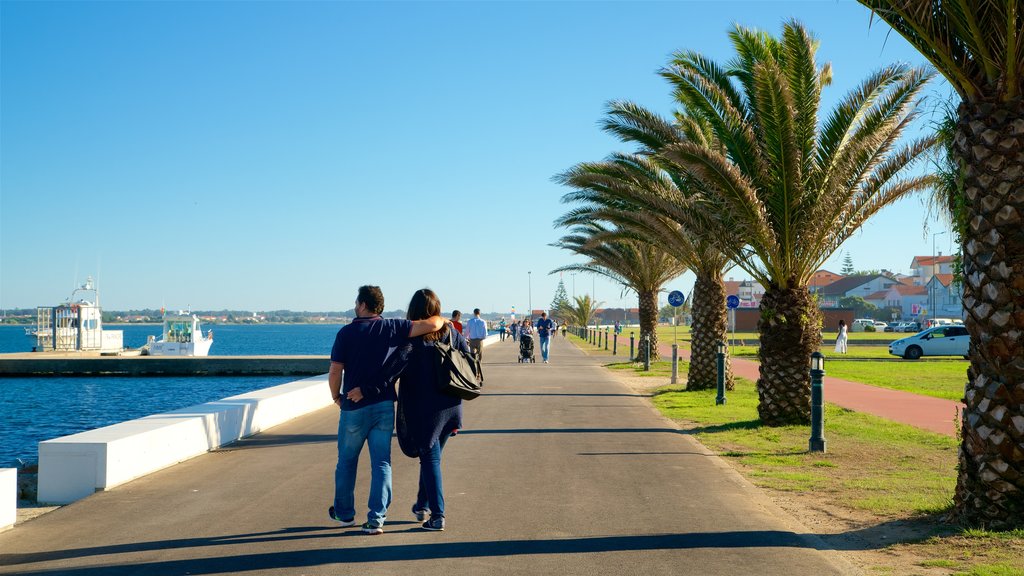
x,y
367,404
457,321
544,328
501,329
477,332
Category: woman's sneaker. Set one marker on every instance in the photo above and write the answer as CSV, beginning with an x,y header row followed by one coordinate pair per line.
x,y
421,514
435,524
372,529
342,523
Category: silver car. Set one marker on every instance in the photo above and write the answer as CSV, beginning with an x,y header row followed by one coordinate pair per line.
x,y
937,341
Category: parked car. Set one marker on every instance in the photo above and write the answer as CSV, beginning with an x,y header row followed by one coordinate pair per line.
x,y
880,326
859,324
913,327
892,327
938,341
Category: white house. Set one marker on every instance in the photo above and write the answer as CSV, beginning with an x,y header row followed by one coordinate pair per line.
x,y
945,298
909,299
922,268
862,286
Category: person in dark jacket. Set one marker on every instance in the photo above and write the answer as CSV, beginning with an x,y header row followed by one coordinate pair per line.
x,y
431,416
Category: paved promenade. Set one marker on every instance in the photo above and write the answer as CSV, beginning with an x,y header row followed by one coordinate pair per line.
x,y
561,470
926,412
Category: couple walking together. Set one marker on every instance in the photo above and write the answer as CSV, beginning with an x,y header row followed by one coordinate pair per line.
x,y
369,355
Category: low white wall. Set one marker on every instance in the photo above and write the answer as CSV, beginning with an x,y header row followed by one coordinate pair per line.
x,y
8,497
75,466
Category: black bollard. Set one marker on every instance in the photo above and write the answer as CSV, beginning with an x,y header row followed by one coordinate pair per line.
x,y
817,441
615,344
605,338
631,355
720,399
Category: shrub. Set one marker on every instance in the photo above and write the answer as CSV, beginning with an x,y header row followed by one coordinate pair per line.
x,y
869,329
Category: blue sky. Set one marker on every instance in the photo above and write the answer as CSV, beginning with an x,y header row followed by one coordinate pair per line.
x,y
262,155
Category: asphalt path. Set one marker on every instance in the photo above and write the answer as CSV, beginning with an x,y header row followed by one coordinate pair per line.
x,y
561,469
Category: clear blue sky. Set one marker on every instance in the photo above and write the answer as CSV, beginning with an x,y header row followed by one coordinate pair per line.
x,y
261,155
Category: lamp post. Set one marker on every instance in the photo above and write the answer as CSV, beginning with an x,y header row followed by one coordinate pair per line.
x,y
529,282
931,288
573,274
817,441
720,399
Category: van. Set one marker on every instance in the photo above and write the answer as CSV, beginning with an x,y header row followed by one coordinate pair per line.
x,y
860,323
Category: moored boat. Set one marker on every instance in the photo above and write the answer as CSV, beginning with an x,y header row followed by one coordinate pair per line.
x,y
182,336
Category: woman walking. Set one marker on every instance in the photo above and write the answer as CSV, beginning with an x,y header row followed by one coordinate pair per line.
x,y
431,416
841,338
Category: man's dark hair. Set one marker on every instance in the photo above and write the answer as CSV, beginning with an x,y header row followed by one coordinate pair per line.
x,y
476,311
456,313
372,297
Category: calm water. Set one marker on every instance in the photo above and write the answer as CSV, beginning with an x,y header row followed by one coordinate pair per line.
x,y
35,409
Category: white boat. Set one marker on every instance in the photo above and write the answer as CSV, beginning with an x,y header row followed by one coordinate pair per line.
x,y
183,336
76,325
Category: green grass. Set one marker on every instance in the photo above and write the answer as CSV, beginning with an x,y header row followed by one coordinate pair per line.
x,y
938,379
872,464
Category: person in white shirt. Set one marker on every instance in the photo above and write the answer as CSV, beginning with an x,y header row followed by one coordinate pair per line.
x,y
477,329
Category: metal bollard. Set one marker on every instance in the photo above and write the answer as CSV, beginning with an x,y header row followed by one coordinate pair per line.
x,y
605,338
817,441
647,357
720,399
615,344
675,363
631,355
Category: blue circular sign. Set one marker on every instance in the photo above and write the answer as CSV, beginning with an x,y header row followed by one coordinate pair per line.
x,y
676,298
732,301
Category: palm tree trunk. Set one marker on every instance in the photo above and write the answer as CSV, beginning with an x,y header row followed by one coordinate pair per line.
x,y
790,328
648,323
990,483
710,324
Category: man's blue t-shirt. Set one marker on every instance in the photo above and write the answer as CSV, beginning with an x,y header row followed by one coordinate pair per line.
x,y
362,347
544,326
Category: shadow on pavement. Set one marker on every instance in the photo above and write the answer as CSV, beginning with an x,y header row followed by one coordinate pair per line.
x,y
440,550
264,440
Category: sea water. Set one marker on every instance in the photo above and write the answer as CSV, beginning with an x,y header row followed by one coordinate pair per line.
x,y
36,409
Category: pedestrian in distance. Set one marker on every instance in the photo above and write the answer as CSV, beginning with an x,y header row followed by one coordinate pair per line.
x,y
367,404
514,329
544,328
457,320
841,338
431,416
501,329
477,329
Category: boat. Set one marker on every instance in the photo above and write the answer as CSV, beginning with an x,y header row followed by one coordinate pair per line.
x,y
76,325
182,336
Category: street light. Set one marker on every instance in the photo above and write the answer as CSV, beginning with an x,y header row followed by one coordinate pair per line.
x,y
931,289
817,441
573,274
720,399
529,281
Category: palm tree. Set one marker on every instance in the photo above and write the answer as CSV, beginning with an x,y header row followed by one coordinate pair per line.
x,y
636,264
639,197
792,190
580,311
978,47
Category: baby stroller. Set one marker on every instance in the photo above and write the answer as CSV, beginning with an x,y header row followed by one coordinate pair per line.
x,y
526,349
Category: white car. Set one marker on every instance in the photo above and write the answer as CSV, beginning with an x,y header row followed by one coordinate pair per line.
x,y
937,341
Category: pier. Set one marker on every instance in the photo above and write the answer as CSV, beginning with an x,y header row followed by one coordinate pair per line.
x,y
93,364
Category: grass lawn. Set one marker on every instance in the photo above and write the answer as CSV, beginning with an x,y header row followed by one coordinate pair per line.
x,y
751,338
887,470
938,379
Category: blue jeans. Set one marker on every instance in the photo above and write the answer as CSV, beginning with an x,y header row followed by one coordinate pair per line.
x,y
431,493
545,342
373,425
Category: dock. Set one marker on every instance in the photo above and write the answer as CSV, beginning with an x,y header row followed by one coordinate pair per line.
x,y
30,364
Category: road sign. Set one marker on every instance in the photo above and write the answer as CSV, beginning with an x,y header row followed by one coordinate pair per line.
x,y
676,298
732,302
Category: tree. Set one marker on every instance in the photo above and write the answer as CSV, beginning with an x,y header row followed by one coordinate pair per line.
x,y
847,268
861,307
641,266
978,47
560,300
638,193
580,311
793,188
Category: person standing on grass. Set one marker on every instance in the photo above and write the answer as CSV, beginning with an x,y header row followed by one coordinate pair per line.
x,y
477,329
841,338
367,404
544,328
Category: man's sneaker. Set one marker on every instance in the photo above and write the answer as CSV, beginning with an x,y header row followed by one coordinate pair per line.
x,y
435,524
420,514
342,523
372,529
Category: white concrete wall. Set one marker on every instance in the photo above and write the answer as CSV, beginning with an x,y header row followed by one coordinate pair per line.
x,y
75,466
8,497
